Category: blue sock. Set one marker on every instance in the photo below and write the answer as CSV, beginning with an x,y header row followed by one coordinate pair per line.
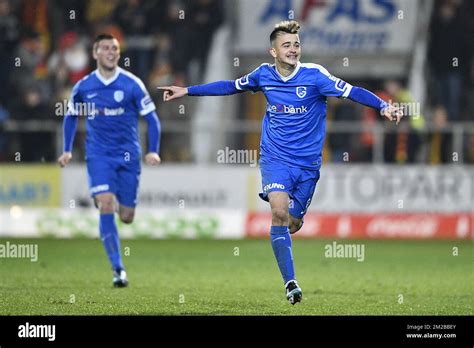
x,y
281,244
110,239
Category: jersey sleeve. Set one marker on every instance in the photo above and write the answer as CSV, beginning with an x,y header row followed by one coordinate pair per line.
x,y
249,82
331,86
74,104
142,99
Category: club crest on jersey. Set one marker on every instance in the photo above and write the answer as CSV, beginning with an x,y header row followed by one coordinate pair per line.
x,y
301,92
118,96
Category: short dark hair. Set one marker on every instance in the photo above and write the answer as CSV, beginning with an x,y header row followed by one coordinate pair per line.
x,y
101,37
289,27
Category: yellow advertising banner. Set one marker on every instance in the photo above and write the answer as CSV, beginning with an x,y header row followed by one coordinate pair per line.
x,y
30,185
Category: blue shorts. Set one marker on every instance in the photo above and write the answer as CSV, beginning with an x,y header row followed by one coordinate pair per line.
x,y
115,175
299,183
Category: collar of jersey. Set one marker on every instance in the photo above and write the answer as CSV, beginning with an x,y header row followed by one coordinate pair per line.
x,y
110,80
286,78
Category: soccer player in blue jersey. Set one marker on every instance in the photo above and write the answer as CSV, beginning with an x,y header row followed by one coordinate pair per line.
x,y
293,133
112,100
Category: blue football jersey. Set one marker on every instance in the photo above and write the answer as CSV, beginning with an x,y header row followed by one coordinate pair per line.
x,y
294,125
112,107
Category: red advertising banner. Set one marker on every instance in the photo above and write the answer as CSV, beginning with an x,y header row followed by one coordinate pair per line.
x,y
373,226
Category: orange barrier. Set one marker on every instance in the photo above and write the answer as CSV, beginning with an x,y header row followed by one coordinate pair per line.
x,y
373,226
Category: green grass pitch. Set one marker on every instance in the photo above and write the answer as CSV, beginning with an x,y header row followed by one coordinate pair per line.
x,y
238,277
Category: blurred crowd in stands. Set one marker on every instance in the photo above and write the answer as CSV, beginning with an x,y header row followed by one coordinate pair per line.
x,y
426,137
45,48
53,38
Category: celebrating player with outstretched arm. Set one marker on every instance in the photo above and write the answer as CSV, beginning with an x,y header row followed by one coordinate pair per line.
x,y
293,133
112,98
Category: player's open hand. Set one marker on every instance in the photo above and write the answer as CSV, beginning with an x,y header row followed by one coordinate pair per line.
x,y
393,113
173,92
64,159
152,159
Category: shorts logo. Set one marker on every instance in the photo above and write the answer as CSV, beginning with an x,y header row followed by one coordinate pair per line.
x,y
273,186
100,188
118,96
301,92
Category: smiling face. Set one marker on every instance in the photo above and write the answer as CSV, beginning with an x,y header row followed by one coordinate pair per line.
x,y
286,49
107,54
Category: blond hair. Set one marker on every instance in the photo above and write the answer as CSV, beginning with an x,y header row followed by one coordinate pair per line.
x,y
288,27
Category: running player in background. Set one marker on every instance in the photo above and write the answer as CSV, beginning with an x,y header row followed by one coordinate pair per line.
x,y
293,133
112,99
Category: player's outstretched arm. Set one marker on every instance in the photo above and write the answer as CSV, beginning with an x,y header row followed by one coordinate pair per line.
x,y
217,88
362,96
69,130
392,113
173,92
